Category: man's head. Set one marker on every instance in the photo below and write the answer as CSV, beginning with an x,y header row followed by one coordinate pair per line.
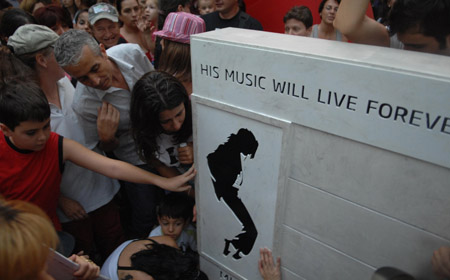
x,y
24,114
298,21
174,214
84,59
422,25
104,21
227,8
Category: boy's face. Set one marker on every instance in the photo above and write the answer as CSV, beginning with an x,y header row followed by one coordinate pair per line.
x,y
296,27
29,135
172,227
206,6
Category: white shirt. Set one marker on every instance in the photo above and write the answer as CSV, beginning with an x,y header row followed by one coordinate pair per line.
x,y
90,189
109,268
168,151
133,64
186,240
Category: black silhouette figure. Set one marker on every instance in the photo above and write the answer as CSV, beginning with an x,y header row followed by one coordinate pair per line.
x,y
227,176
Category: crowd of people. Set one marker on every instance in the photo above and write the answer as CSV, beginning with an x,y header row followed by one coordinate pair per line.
x,y
96,146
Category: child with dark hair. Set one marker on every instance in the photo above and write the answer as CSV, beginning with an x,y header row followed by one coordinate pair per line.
x,y
161,123
174,216
32,157
298,21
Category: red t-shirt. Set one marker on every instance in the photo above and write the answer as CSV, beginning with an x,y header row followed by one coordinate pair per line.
x,y
32,176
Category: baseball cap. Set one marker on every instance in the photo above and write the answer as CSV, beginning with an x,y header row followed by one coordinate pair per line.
x,y
180,26
102,11
30,38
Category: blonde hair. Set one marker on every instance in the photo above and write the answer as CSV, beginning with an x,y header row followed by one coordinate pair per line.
x,y
26,234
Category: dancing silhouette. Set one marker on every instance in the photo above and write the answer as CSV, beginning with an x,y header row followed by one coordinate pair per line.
x,y
227,176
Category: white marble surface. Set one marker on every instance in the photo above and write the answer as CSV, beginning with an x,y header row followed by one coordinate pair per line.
x,y
356,189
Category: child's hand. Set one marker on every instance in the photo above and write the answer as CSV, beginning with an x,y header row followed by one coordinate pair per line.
x,y
144,25
87,270
267,269
178,183
186,154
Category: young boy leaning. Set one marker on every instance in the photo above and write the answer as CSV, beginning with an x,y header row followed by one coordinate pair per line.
x,y
32,157
174,217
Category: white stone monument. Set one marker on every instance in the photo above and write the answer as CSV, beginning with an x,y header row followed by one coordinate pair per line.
x,y
351,166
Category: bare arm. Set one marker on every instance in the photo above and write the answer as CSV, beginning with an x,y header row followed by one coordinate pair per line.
x,y
165,170
146,27
117,169
352,21
169,172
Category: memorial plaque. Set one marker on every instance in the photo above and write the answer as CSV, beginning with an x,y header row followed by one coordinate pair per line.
x,y
344,155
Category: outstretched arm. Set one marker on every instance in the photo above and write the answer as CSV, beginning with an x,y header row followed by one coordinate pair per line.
x,y
117,169
352,21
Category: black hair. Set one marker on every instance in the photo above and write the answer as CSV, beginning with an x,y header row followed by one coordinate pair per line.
x,y
164,262
152,94
166,7
4,4
22,101
77,15
176,206
11,20
242,6
322,4
12,68
119,5
53,14
300,13
430,17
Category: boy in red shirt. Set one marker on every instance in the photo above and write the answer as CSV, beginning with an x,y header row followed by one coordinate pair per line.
x,y
32,157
